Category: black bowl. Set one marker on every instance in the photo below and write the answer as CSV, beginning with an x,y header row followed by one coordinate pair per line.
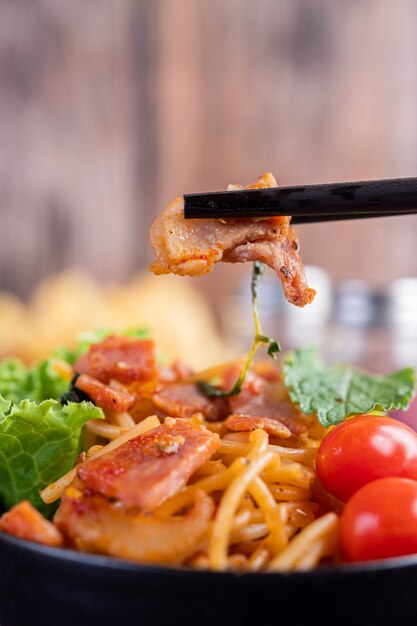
x,y
42,586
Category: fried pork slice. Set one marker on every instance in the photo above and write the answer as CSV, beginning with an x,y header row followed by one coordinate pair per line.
x,y
92,524
192,247
105,396
241,422
146,470
283,413
123,359
262,400
24,521
184,400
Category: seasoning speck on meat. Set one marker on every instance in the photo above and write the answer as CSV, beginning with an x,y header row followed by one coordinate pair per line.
x,y
170,444
192,247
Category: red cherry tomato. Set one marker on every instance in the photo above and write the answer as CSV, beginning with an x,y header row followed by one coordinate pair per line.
x,y
364,449
380,520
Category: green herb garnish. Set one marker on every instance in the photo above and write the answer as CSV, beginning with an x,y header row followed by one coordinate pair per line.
x,y
273,346
335,393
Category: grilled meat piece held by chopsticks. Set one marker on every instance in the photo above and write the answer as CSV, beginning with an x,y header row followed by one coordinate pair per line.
x,y
192,247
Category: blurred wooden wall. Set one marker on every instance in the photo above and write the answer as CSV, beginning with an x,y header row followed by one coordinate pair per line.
x,y
108,108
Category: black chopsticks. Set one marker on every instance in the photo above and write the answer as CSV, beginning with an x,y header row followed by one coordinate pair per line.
x,y
309,203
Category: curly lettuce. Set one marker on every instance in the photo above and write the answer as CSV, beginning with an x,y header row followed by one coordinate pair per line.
x,y
37,383
38,443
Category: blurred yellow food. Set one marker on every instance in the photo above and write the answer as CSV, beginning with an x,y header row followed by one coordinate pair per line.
x,y
13,320
175,312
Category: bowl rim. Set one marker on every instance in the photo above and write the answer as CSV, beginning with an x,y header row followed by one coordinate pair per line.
x,y
104,562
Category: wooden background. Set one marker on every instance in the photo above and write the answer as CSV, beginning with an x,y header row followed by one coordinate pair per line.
x,y
108,108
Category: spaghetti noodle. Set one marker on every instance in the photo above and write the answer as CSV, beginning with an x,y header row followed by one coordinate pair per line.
x,y
265,516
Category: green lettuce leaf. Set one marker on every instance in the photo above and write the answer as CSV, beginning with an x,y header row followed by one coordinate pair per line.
x,y
38,383
38,444
335,393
